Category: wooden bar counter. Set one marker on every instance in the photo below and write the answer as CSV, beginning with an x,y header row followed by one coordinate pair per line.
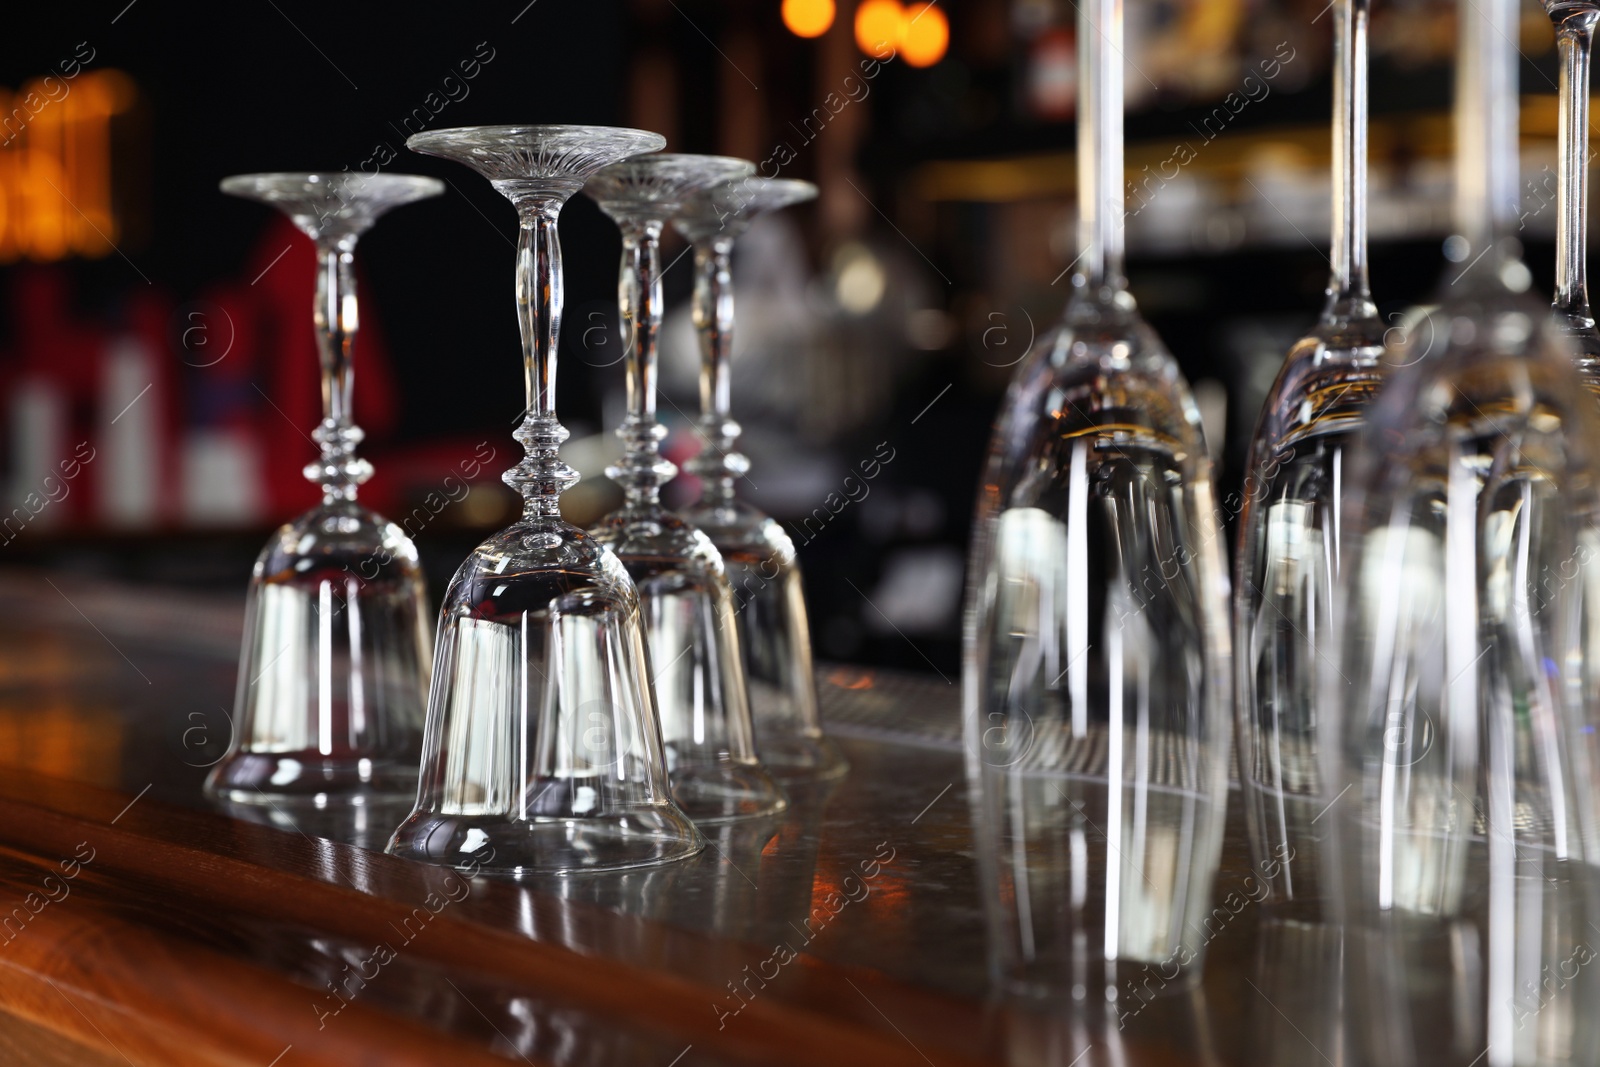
x,y
139,925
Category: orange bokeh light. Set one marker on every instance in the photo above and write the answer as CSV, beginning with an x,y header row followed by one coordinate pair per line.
x,y
926,36
846,678
55,165
879,26
808,18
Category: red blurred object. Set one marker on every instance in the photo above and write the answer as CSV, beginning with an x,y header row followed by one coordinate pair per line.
x,y
200,414
143,400
287,369
56,359
1053,74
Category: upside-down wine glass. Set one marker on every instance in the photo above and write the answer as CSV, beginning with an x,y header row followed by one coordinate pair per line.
x,y
688,606
543,752
1463,685
329,708
1574,23
759,556
1292,518
1095,675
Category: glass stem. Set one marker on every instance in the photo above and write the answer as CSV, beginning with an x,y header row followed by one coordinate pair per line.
x,y
718,465
1574,39
541,477
339,470
1349,298
1100,177
642,471
1486,194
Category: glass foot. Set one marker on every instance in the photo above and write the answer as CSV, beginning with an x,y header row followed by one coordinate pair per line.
x,y
333,206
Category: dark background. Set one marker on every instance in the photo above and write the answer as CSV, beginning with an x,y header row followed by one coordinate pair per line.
x,y
286,85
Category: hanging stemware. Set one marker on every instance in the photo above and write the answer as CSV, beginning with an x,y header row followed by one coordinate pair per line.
x,y
1096,699
1574,23
1292,521
336,658
543,751
688,606
758,554
1463,687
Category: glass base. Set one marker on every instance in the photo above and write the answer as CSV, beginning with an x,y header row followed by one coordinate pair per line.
x,y
725,790
497,845
803,756
310,778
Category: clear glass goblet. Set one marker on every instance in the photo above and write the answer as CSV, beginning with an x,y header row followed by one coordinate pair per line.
x,y
758,554
336,645
1464,685
1096,697
1292,519
690,628
542,753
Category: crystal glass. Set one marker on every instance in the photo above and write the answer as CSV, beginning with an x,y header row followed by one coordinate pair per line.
x,y
1096,696
1574,24
690,626
759,556
1463,687
543,751
336,644
1292,519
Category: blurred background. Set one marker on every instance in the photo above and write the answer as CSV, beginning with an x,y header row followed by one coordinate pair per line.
x,y
157,364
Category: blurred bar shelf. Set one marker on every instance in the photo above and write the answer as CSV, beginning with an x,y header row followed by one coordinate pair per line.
x,y
1257,187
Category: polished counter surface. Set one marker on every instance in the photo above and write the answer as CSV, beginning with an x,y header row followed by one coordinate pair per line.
x,y
848,930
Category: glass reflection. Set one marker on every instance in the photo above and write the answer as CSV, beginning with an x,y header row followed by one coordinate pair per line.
x,y
1292,524
1296,985
1095,670
1170,1029
366,825
1462,778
